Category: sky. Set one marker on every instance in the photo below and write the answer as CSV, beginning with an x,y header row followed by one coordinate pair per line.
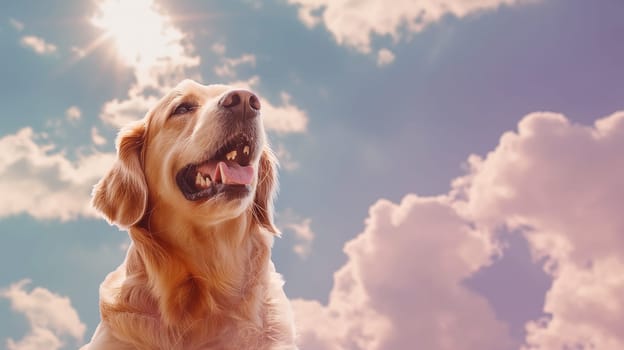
x,y
451,171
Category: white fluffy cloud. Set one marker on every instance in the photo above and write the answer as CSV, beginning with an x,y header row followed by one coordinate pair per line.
x,y
354,23
559,183
36,339
118,113
229,65
51,317
38,45
285,117
44,183
97,138
305,235
291,222
218,48
402,285
384,57
73,113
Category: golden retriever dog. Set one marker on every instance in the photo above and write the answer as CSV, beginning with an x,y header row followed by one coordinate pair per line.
x,y
193,185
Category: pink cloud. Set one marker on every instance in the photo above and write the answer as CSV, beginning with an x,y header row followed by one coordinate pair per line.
x,y
586,305
402,285
564,180
560,183
565,183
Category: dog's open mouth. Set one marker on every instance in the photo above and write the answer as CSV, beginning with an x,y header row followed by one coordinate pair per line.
x,y
228,171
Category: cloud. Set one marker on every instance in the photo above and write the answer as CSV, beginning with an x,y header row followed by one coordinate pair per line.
x,y
17,25
355,23
227,69
51,317
35,179
304,234
36,339
96,138
401,287
118,113
285,117
38,45
285,158
585,304
562,184
73,113
290,221
78,52
218,48
384,57
561,179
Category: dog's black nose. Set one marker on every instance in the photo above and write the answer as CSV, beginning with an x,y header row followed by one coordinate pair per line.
x,y
242,103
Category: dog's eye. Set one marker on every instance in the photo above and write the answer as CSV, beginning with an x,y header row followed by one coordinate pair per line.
x,y
184,108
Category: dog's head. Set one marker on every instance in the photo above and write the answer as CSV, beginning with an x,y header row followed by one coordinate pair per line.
x,y
200,154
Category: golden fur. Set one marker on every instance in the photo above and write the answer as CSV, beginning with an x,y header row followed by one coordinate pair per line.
x,y
198,274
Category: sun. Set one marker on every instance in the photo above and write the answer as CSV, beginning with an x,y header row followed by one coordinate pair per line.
x,y
140,31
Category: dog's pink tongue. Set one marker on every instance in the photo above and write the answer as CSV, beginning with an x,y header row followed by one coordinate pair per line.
x,y
234,174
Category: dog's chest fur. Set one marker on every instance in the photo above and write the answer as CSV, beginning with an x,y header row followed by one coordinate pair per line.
x,y
230,330
256,318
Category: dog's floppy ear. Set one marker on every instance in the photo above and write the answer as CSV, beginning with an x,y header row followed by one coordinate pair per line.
x,y
121,195
267,187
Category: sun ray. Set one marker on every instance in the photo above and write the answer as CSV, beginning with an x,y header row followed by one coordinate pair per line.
x,y
140,31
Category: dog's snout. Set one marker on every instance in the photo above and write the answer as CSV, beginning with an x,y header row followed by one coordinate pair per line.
x,y
242,103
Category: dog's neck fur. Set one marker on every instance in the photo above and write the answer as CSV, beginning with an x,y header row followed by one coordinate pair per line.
x,y
231,253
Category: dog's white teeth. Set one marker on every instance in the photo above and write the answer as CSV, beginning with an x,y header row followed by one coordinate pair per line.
x,y
231,155
200,181
246,150
208,181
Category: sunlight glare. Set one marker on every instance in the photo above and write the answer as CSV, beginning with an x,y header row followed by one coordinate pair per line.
x,y
140,32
